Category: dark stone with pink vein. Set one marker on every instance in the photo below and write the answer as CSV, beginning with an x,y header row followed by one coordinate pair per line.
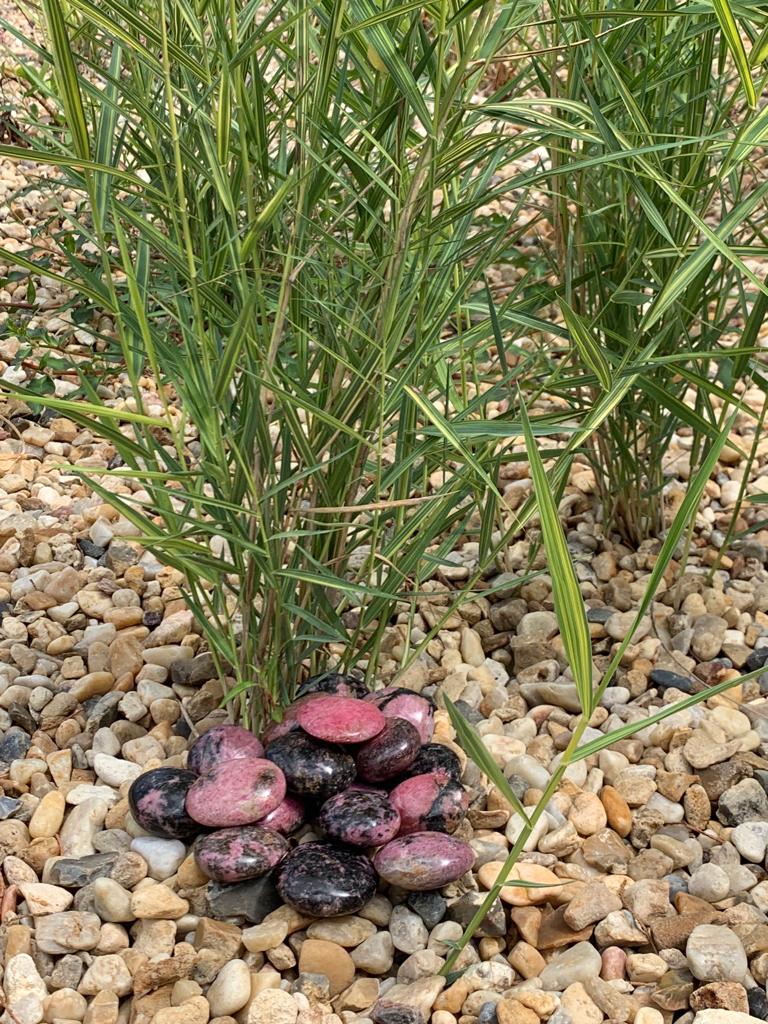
x,y
337,719
389,753
158,802
427,803
222,743
359,817
235,854
423,861
236,792
333,682
438,759
311,768
397,702
324,880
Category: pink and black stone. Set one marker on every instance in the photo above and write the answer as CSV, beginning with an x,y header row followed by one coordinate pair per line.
x,y
389,753
436,758
423,861
359,817
397,702
235,854
333,682
286,817
222,743
429,803
323,880
158,802
236,792
337,719
311,768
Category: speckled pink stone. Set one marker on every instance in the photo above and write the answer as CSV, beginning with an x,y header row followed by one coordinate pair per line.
x,y
340,719
429,803
236,792
286,817
424,861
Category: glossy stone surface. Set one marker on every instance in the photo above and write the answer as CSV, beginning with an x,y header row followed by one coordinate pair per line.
x,y
427,803
158,802
310,767
325,880
236,792
340,719
389,753
437,758
333,682
423,860
235,854
222,743
397,702
286,817
359,817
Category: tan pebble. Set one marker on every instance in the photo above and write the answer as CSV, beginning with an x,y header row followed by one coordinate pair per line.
x,y
617,811
189,875
42,898
318,956
526,960
48,816
273,1006
156,902
193,1011
515,895
588,814
577,1003
512,1011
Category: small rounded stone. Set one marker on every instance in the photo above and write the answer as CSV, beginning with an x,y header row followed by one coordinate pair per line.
x,y
338,719
222,743
437,759
398,702
286,817
158,802
424,860
236,792
311,768
235,854
426,803
359,817
389,753
323,880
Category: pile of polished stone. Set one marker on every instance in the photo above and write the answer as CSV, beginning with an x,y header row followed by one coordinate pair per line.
x,y
326,762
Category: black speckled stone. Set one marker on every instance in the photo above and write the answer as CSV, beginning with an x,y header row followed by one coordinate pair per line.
x,y
435,758
756,659
158,799
236,854
333,682
324,880
250,901
389,753
311,768
758,1002
396,1013
359,817
664,680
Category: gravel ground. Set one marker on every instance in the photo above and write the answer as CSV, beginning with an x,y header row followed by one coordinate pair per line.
x,y
661,840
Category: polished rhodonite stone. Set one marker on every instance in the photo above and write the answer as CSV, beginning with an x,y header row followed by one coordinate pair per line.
x,y
397,702
323,880
289,721
222,743
424,860
428,803
389,753
333,682
340,719
158,802
311,768
360,817
437,758
236,792
286,817
234,854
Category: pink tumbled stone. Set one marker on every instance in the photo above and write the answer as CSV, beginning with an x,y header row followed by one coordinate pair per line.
x,y
424,860
614,963
286,817
340,719
237,792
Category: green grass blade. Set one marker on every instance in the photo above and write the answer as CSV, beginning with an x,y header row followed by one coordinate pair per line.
x,y
732,35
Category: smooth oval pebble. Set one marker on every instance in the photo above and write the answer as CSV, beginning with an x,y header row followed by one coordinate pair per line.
x,y
427,803
286,817
323,880
158,802
340,719
288,723
310,768
389,753
397,702
234,854
437,759
423,861
222,743
360,817
236,792
333,682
